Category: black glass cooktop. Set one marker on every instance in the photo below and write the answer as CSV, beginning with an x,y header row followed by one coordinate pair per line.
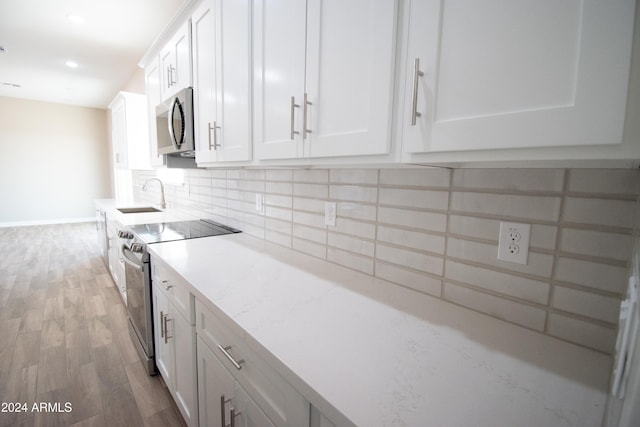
x,y
180,230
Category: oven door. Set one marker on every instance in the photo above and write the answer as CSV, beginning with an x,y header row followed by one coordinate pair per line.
x,y
138,283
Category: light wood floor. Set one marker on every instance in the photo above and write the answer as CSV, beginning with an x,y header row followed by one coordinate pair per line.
x,y
64,336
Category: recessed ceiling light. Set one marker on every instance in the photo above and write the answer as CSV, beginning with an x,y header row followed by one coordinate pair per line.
x,y
10,84
2,49
76,19
71,64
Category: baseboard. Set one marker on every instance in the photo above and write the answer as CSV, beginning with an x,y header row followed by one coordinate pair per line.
x,y
47,222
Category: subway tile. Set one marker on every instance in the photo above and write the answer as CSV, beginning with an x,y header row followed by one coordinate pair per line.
x,y
414,219
411,279
311,248
279,175
252,174
353,193
217,174
317,191
309,205
423,199
351,244
596,243
254,186
605,181
355,228
519,180
309,233
507,205
350,260
273,212
278,200
592,274
355,211
411,239
580,332
311,176
234,173
522,314
278,187
354,176
415,177
542,236
283,227
537,264
278,238
500,282
219,183
411,259
586,304
313,220
617,213
253,230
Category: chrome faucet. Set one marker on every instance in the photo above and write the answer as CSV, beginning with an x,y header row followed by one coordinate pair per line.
x,y
163,204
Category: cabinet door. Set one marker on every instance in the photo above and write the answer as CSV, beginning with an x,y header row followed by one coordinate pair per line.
x,y
175,62
511,74
214,383
248,412
164,358
350,72
204,83
152,79
233,73
119,134
279,55
182,339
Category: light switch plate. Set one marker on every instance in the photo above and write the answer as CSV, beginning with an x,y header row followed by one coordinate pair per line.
x,y
259,202
513,243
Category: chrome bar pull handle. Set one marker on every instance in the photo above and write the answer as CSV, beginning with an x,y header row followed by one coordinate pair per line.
x,y
213,128
293,118
414,107
304,117
171,70
225,351
233,416
223,403
166,285
162,332
166,330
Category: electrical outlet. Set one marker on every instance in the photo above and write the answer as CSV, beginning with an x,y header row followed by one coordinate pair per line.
x,y
513,243
330,214
259,202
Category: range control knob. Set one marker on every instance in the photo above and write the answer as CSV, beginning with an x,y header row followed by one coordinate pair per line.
x,y
124,234
136,248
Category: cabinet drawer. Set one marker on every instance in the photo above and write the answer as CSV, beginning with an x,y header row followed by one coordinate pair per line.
x,y
280,402
174,287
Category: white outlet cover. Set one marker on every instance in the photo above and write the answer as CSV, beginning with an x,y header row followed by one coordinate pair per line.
x,y
259,202
513,242
330,214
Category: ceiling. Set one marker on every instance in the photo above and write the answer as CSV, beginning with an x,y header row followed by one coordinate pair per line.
x,y
38,38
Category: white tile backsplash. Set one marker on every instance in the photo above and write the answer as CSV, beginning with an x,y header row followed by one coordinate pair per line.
x,y
435,230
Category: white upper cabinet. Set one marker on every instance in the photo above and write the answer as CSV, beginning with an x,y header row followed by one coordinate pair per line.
x,y
152,83
221,31
515,73
323,77
175,62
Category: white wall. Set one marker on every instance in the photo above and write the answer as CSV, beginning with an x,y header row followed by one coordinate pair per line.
x,y
54,161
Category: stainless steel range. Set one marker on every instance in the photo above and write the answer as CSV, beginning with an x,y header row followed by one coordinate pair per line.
x,y
138,273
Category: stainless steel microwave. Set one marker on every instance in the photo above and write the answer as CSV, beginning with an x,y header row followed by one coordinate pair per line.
x,y
174,124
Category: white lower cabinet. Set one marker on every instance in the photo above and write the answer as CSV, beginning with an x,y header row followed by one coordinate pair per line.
x,y
230,370
220,398
175,341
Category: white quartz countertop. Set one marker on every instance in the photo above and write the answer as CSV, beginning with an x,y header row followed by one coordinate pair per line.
x,y
370,353
111,206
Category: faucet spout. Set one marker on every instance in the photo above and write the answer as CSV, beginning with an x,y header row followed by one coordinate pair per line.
x,y
163,203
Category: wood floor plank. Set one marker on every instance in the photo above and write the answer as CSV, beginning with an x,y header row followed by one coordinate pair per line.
x,y
52,369
52,334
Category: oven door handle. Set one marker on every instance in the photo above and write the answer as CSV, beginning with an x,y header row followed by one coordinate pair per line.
x,y
131,261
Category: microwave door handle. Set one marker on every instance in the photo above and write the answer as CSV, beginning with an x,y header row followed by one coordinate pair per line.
x,y
172,133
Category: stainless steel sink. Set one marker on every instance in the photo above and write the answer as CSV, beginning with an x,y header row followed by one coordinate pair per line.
x,y
143,209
